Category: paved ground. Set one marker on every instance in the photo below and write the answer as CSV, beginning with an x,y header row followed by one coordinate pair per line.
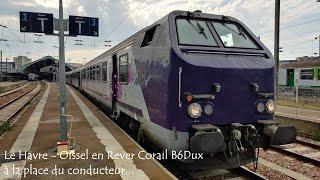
x,y
93,132
304,114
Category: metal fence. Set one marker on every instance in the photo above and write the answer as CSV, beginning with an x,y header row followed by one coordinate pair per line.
x,y
304,97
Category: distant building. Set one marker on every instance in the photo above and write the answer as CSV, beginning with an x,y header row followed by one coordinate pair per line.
x,y
21,61
7,66
75,65
304,71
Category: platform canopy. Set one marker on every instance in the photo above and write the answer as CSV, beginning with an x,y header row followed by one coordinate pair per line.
x,y
45,67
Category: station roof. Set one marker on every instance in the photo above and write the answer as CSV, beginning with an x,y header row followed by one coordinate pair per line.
x,y
35,66
304,63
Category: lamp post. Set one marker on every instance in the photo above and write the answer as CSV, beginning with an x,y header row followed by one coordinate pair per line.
x,y
3,27
319,42
7,58
276,43
62,77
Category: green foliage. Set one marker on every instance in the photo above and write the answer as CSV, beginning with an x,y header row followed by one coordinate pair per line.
x,y
316,136
6,127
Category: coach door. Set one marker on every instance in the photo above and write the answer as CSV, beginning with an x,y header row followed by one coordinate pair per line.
x,y
114,82
290,77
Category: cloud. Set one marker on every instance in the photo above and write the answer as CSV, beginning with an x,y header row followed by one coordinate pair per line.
x,y
22,4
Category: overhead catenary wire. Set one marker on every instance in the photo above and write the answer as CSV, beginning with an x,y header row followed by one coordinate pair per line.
x,y
122,21
133,11
292,26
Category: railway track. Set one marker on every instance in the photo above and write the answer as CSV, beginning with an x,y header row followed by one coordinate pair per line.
x,y
237,173
13,95
302,149
15,101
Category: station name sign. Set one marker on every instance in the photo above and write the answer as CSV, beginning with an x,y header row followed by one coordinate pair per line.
x,y
32,22
85,26
36,22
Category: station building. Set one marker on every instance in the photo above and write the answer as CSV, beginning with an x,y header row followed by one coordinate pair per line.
x,y
304,72
21,61
46,68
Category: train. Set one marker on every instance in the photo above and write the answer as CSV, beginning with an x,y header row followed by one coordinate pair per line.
x,y
32,77
191,82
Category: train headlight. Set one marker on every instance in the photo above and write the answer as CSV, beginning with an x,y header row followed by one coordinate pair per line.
x,y
208,109
260,107
194,110
270,106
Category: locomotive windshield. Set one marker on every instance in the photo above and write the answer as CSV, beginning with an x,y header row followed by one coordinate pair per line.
x,y
194,32
233,35
197,32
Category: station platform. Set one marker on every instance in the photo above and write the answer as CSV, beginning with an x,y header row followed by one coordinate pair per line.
x,y
299,113
102,149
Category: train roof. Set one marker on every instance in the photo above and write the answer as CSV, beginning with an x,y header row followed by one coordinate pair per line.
x,y
131,39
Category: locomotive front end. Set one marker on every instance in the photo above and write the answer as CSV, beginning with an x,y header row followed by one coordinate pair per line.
x,y
224,79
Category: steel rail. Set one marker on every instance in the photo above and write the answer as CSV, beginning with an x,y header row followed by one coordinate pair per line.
x,y
23,105
17,97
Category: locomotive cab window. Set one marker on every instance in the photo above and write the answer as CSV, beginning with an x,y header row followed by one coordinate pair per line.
x,y
194,32
123,69
232,35
148,37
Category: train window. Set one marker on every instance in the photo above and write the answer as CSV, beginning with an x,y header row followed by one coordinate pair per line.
x,y
88,74
123,69
233,35
194,32
105,72
148,37
98,73
93,73
307,74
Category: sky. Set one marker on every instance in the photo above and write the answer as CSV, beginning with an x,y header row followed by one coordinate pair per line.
x,y
119,19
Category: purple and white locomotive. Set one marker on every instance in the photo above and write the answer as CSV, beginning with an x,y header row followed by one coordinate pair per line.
x,y
191,82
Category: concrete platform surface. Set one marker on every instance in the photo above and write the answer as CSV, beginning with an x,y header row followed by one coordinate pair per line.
x,y
103,150
303,114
